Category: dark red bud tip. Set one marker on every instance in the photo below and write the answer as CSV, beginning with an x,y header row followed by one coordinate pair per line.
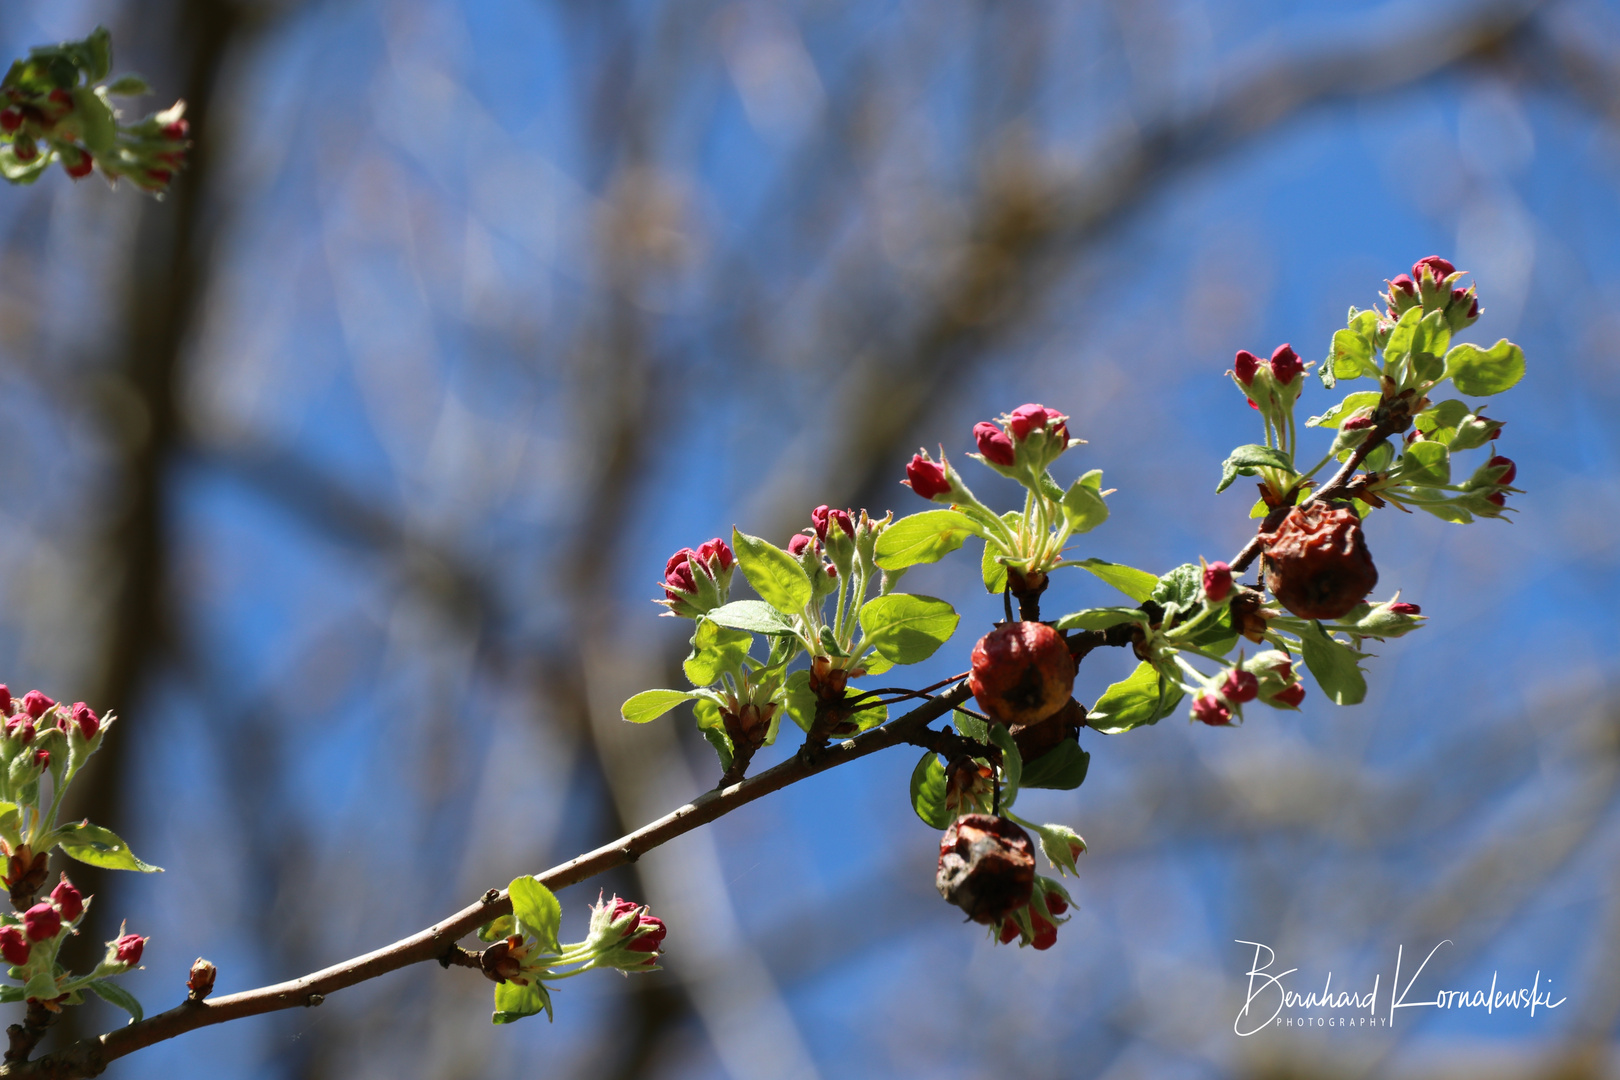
x,y
5,699
177,130
1028,418
927,478
1056,904
1244,366
128,949
818,519
42,758
1406,609
1498,499
842,519
35,703
1240,686
1207,708
678,574
81,168
1356,423
25,150
1290,696
993,443
649,942
1285,364
10,120
716,555
1500,462
14,946
68,900
1045,932
1403,284
1009,931
1473,313
61,97
87,720
41,922
1438,268
1217,581
797,544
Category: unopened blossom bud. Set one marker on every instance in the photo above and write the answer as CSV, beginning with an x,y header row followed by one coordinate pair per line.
x,y
986,867
200,979
1290,695
86,719
842,519
5,700
1030,418
927,478
1359,423
24,149
1022,672
716,555
35,703
1056,904
41,922
1045,931
10,120
78,164
1510,471
1208,709
818,520
1240,686
499,963
128,949
1404,608
68,900
42,758
178,130
1245,366
21,728
994,444
1217,582
14,946
797,543
1286,365
1317,563
1405,285
1439,269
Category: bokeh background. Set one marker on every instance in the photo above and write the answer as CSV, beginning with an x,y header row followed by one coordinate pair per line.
x,y
346,475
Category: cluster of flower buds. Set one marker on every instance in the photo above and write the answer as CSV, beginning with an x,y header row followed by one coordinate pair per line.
x,y
698,581
1218,705
1432,286
1487,490
624,935
1024,441
986,867
1037,922
1278,686
1272,386
811,550
37,731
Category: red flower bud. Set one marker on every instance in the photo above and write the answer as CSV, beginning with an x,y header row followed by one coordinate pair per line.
x,y
1056,904
926,477
1317,563
1022,672
1497,499
1217,581
986,867
1500,462
61,97
68,900
1045,932
84,716
1009,931
160,176
22,727
25,150
716,555
13,946
1028,418
1404,608
1403,284
1245,366
42,758
678,574
5,699
842,519
128,949
1240,686
1285,364
1290,696
1439,268
35,703
1285,668
1208,708
10,120
648,942
797,543
993,443
80,168
177,130
41,922
818,519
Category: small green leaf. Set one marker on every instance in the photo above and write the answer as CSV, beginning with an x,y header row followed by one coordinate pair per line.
x,y
923,538
1352,355
1427,464
1100,618
1337,415
993,571
101,847
514,1002
1063,767
1134,583
713,728
715,649
96,121
928,791
1183,586
41,986
498,929
1399,345
1483,372
1012,764
1334,665
755,615
971,727
10,819
1144,697
537,909
651,704
1248,460
98,54
1440,422
775,575
113,994
1083,507
1429,343
128,86
907,629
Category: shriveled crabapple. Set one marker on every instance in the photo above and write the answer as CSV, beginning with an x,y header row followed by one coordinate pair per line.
x,y
986,867
1022,672
1316,561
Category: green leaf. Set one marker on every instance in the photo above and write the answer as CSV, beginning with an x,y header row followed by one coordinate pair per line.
x,y
1083,506
1134,583
98,54
1352,355
1063,767
775,575
41,986
1483,372
755,615
1399,345
1440,422
993,572
1099,618
1183,586
907,629
101,847
928,791
716,649
923,538
1341,412
713,728
1012,764
22,172
8,994
498,929
128,86
971,727
1248,460
96,123
1427,464
1144,697
537,909
651,704
10,818
1429,342
113,994
1334,665
514,1002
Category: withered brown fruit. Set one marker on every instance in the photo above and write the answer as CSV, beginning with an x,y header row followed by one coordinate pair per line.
x,y
986,867
1022,672
1317,563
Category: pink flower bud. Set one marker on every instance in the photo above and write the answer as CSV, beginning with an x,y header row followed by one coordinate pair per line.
x,y
1404,608
1240,686
678,574
716,556
1217,581
1356,423
818,519
1500,462
1028,418
1284,668
1208,708
81,167
84,716
68,900
1045,932
1290,696
10,120
177,130
13,946
926,477
1285,364
797,543
1245,366
648,942
42,758
41,922
21,727
1056,904
5,699
1403,284
128,949
993,443
35,703
1438,268
842,519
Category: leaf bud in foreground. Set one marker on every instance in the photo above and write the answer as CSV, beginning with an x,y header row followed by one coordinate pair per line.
x,y
200,979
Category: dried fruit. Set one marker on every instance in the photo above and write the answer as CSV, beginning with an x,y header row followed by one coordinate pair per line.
x,y
1022,672
986,867
1040,738
1317,563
